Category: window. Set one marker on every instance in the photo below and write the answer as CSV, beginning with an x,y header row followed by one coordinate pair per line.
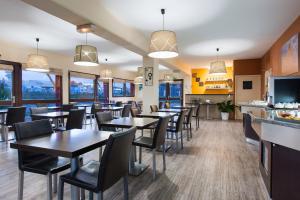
x,y
103,93
6,81
123,88
82,86
38,86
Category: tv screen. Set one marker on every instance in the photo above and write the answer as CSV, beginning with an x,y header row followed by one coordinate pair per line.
x,y
287,90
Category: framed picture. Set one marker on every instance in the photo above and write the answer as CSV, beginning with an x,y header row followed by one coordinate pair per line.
x,y
194,75
197,79
290,55
148,76
201,84
247,85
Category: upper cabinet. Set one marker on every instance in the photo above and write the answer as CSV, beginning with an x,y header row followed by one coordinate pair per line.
x,y
290,56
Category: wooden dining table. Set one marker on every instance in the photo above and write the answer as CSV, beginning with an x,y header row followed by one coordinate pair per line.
x,y
113,109
135,168
69,144
52,115
157,114
171,110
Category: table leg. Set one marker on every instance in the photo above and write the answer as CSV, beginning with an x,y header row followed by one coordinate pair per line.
x,y
207,111
74,190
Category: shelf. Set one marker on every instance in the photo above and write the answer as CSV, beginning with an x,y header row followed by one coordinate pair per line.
x,y
217,88
225,80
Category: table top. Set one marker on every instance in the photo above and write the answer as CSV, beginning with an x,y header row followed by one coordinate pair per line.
x,y
128,122
50,115
157,114
110,104
111,108
183,107
170,110
68,144
83,105
54,107
3,111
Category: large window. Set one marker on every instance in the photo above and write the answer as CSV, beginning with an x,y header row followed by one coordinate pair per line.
x,y
6,81
38,86
123,88
82,86
103,90
171,92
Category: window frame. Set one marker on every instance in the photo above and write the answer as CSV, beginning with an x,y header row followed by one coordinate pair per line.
x,y
105,84
132,87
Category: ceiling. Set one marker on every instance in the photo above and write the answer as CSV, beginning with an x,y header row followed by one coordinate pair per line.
x,y
241,29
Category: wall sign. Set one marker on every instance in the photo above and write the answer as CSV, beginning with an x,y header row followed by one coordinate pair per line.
x,y
247,85
148,76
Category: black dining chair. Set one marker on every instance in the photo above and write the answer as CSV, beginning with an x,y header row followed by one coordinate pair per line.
x,y
119,104
167,105
153,108
96,107
126,111
102,117
74,120
177,129
36,162
14,115
188,123
154,142
197,116
134,112
161,105
37,110
67,107
95,176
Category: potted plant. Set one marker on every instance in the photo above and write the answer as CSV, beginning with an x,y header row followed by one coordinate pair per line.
x,y
225,108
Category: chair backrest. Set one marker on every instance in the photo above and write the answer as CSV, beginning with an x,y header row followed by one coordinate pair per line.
x,y
161,105
67,107
134,112
37,110
180,120
189,115
160,132
198,110
115,160
75,119
119,104
25,130
103,117
126,110
15,115
167,105
153,108
96,107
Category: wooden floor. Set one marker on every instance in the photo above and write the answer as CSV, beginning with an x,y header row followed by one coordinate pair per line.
x,y
216,164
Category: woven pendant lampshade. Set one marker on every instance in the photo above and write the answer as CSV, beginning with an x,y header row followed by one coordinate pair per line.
x,y
217,67
36,62
163,43
86,55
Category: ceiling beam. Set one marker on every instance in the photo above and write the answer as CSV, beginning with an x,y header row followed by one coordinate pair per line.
x,y
79,12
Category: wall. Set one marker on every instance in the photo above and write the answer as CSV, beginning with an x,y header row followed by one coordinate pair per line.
x,y
247,67
19,53
202,73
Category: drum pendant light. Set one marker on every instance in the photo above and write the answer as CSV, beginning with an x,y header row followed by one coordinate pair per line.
x,y
36,62
86,55
217,67
163,43
106,73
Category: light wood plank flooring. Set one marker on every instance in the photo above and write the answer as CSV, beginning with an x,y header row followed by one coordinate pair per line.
x,y
216,164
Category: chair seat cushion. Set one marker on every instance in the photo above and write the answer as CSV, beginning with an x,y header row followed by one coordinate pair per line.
x,y
51,165
143,142
86,176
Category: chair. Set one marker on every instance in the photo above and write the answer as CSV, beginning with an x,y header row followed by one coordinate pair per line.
x,y
37,110
178,129
167,105
74,120
119,104
153,108
96,107
126,111
14,115
67,107
135,112
161,105
197,116
104,117
35,162
154,143
188,123
95,176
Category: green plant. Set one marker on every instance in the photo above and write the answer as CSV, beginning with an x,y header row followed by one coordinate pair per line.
x,y
226,106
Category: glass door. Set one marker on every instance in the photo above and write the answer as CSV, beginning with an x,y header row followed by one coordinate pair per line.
x,y
171,92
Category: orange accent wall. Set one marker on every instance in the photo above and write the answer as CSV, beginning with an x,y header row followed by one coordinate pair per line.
x,y
247,67
203,75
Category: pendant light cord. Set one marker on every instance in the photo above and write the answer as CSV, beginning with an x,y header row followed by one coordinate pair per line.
x,y
86,38
37,46
218,54
163,14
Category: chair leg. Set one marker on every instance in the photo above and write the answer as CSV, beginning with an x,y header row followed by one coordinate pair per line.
x,y
100,196
181,138
140,155
177,146
164,156
21,185
60,195
54,183
6,134
100,153
49,186
187,132
154,163
125,179
82,194
191,130
91,195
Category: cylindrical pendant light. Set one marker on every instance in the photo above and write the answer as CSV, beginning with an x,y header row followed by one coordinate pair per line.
x,y
217,67
86,55
106,73
163,43
36,62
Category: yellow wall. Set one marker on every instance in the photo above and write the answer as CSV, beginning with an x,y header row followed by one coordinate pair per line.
x,y
203,75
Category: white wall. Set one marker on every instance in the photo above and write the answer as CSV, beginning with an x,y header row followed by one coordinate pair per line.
x,y
18,53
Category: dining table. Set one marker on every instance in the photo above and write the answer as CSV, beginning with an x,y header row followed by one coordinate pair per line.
x,y
69,144
3,112
177,110
52,115
113,109
135,168
157,114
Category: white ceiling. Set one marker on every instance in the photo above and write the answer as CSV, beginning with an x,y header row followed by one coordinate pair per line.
x,y
22,23
240,28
